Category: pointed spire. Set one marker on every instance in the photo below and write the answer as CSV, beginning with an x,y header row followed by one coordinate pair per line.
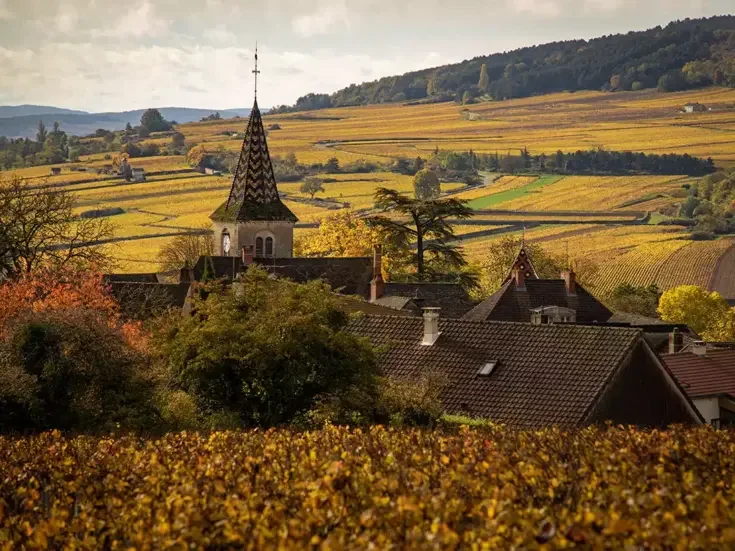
x,y
254,194
522,264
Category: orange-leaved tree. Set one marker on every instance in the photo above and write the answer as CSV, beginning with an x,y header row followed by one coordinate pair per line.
x,y
49,290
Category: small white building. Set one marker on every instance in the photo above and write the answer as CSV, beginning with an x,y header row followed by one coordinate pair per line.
x,y
695,108
138,175
707,374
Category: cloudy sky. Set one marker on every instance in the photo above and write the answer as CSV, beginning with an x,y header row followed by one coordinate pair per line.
x,y
100,55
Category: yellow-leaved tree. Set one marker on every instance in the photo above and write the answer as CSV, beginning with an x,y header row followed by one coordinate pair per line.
x,y
346,234
708,314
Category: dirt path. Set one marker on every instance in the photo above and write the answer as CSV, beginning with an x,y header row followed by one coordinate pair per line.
x,y
723,278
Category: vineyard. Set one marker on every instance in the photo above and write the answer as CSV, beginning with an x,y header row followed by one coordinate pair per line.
x,y
591,216
338,488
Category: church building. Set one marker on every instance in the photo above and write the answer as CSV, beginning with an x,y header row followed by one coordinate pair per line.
x,y
254,217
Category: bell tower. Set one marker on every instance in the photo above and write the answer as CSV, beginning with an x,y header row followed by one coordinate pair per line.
x,y
254,214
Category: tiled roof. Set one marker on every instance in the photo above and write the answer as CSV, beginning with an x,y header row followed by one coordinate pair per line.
x,y
511,304
395,303
709,375
140,300
522,263
131,278
450,297
350,276
550,374
635,319
254,194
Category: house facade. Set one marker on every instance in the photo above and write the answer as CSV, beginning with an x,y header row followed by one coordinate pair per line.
x,y
529,376
707,374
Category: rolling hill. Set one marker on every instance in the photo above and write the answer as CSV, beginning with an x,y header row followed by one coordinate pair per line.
x,y
22,121
685,54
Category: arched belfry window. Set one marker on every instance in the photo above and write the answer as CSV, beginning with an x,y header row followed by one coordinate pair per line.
x,y
226,243
265,244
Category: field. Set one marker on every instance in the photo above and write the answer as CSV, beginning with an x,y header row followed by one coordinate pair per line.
x,y
374,488
597,217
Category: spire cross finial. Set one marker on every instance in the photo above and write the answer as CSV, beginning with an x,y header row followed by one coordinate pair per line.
x,y
255,71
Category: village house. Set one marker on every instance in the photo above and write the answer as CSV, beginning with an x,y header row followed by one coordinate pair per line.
x,y
707,374
527,375
524,297
695,108
55,171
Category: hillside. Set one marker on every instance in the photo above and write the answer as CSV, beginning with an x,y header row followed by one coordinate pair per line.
x,y
609,220
684,54
78,123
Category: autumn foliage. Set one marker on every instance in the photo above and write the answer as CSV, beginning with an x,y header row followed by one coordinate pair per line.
x,y
48,291
597,488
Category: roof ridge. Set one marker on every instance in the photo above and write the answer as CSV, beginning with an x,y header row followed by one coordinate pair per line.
x,y
522,323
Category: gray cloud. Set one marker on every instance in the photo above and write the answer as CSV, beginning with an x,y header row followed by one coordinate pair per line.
x,y
74,51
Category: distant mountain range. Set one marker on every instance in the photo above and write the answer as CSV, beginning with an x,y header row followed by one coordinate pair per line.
x,y
22,121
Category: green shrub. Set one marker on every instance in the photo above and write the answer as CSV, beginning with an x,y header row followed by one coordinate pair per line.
x,y
70,370
265,350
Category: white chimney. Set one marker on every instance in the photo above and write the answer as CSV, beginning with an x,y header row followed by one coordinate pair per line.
x,y
699,348
431,325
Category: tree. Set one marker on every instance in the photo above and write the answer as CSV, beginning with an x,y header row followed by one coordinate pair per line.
x,y
484,82
265,350
143,132
426,185
634,299
39,228
68,358
332,166
428,226
178,140
707,314
42,133
128,129
312,186
346,234
153,121
186,249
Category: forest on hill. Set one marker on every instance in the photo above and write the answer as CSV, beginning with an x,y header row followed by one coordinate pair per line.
x,y
684,54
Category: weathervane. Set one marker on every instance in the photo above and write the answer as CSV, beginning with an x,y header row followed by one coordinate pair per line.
x,y
255,71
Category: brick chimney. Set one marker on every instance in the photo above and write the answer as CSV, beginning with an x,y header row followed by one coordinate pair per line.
x,y
676,341
248,254
186,275
570,280
699,348
377,285
431,325
520,278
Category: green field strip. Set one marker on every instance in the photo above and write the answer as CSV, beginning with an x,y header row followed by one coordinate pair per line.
x,y
503,196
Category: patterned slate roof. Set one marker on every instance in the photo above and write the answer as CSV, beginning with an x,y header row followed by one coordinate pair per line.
x,y
523,264
546,375
710,375
510,304
254,194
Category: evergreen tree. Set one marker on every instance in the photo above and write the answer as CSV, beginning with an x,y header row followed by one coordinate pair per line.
x,y
428,225
484,82
42,133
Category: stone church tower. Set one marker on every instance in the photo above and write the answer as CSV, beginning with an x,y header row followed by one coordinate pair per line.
x,y
254,215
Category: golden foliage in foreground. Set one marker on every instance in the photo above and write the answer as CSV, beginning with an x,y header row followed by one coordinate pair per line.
x,y
389,488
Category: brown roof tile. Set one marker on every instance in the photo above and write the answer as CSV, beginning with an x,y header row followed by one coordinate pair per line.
x,y
709,375
546,375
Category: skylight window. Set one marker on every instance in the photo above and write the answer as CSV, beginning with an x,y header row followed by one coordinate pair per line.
x,y
488,368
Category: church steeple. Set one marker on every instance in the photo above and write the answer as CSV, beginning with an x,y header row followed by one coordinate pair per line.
x,y
254,194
